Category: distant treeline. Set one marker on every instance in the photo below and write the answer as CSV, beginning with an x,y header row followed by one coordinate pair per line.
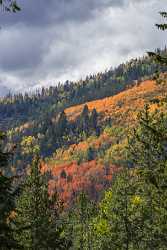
x,y
52,100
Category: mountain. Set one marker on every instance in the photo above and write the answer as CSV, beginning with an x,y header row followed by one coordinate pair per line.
x,y
81,127
17,109
92,164
122,108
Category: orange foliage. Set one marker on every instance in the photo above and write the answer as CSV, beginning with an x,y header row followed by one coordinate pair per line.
x,y
123,106
89,176
68,177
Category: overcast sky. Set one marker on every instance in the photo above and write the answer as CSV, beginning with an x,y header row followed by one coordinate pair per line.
x,y
55,40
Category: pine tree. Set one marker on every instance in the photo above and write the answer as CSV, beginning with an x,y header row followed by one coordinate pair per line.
x,y
148,152
157,56
90,154
93,121
81,223
10,5
119,222
7,204
62,124
84,120
133,213
38,214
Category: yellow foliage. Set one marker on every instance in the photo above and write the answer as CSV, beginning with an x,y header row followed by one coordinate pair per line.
x,y
105,204
102,227
29,145
123,107
136,200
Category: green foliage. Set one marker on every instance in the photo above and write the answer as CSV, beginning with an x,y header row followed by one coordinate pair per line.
x,y
29,145
116,133
90,154
116,154
159,57
132,214
41,115
7,204
38,214
79,156
148,152
162,26
41,106
118,223
80,223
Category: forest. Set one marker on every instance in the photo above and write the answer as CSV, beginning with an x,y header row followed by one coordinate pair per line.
x,y
83,165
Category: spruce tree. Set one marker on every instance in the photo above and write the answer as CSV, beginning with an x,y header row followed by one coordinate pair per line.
x,y
9,5
7,203
38,213
81,223
119,222
94,122
133,214
62,124
162,59
148,152
84,120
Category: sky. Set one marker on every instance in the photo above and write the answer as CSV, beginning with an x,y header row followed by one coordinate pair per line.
x,y
52,41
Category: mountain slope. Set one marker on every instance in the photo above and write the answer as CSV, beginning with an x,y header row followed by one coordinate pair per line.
x,y
19,108
124,106
92,163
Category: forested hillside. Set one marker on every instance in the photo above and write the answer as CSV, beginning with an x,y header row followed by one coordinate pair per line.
x,y
83,165
107,175
18,109
92,163
75,150
48,116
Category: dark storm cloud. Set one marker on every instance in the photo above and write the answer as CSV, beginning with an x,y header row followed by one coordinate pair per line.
x,y
20,48
56,40
24,37
24,42
46,12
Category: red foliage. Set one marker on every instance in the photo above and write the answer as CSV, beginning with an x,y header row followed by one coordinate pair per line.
x,y
90,177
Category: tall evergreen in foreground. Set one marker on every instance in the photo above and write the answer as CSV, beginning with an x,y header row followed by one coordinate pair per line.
x,y
133,214
149,155
7,204
80,223
38,213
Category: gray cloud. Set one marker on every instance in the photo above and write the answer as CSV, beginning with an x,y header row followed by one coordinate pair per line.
x,y
3,91
51,41
43,12
20,48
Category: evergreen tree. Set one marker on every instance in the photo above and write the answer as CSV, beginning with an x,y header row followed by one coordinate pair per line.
x,y
119,222
81,222
84,120
62,124
7,204
10,5
90,154
133,214
93,121
158,57
38,214
148,152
